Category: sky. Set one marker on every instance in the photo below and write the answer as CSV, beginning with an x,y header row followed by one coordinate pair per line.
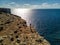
x,y
38,4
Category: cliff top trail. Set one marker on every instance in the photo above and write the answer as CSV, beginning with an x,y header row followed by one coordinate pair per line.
x,y
14,31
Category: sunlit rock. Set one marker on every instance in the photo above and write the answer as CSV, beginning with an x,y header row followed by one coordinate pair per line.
x,y
16,32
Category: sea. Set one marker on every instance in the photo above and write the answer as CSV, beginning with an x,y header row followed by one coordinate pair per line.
x,y
46,22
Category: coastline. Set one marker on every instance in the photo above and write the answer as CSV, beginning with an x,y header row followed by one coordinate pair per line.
x,y
26,34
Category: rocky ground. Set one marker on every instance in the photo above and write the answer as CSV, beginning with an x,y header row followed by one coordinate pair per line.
x,y
14,31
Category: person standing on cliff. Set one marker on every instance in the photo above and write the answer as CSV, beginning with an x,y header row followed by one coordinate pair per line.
x,y
31,28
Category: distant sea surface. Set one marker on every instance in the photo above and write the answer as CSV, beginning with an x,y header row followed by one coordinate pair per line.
x,y
47,23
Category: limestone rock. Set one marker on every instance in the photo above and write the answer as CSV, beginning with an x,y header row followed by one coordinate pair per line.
x,y
14,31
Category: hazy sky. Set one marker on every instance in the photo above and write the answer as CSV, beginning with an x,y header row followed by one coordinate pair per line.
x,y
30,3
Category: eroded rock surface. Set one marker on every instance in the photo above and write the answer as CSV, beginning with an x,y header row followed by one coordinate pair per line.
x,y
14,31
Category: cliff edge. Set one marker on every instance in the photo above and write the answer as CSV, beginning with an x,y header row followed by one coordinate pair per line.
x,y
14,31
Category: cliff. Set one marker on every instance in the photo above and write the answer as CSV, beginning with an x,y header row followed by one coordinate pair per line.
x,y
14,31
5,10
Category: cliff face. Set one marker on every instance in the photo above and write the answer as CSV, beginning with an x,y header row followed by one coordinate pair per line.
x,y
5,10
14,31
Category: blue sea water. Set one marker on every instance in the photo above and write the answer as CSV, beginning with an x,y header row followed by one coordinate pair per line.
x,y
47,22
